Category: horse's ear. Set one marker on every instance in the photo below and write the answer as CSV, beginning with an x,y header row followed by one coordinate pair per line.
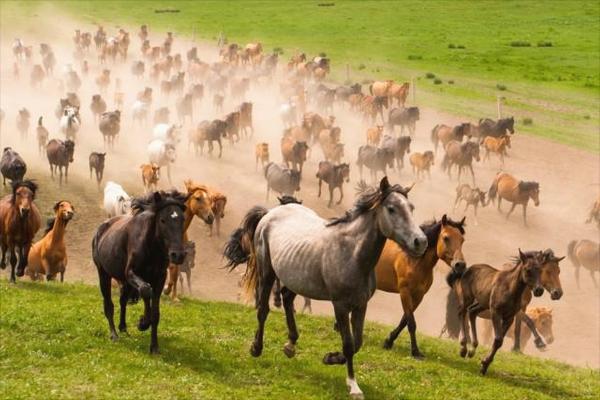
x,y
521,255
56,206
384,185
462,221
408,188
188,184
559,259
157,197
444,220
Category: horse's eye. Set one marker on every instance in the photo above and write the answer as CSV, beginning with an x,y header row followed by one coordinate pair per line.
x,y
446,239
391,210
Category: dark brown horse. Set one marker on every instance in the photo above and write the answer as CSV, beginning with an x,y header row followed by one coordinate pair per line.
x,y
293,152
334,176
482,288
60,155
19,222
507,187
96,162
135,250
462,156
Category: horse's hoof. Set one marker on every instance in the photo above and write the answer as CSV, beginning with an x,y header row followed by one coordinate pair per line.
x,y
123,329
114,337
334,358
417,355
463,352
3,266
255,351
471,353
539,343
388,344
289,350
484,368
143,324
154,350
516,350
20,272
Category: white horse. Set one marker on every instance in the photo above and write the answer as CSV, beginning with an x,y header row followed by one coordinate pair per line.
x,y
168,133
288,113
69,122
162,154
116,200
139,112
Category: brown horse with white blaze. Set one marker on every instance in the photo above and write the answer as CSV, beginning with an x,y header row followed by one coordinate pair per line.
x,y
509,188
412,277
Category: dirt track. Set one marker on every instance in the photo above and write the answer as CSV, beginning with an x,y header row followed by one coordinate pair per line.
x,y
568,179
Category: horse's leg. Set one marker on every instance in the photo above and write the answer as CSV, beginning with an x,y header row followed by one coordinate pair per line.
x,y
500,328
188,274
125,290
462,314
23,255
13,264
539,342
473,311
358,323
389,342
109,307
577,277
330,196
499,201
525,214
475,213
220,148
341,194
289,348
472,173
277,294
320,182
512,208
264,291
593,276
3,260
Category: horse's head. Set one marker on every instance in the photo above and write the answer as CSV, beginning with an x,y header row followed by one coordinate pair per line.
x,y
343,171
394,218
532,189
199,201
124,205
170,153
542,317
449,244
550,274
414,113
472,148
531,268
101,157
295,178
480,196
300,150
64,210
506,140
169,209
23,194
429,157
510,125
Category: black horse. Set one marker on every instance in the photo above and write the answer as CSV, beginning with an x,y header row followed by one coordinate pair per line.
x,y
405,117
212,131
12,166
136,250
488,127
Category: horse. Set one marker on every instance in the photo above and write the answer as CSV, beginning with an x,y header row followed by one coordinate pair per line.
x,y
381,88
334,176
162,154
471,196
98,106
421,162
168,133
150,176
462,156
219,201
374,135
293,152
444,134
110,126
594,214
60,155
139,112
411,277
42,135
12,166
400,146
37,76
374,158
218,102
325,260
96,162
483,288
135,250
48,256
210,132
281,179
542,320
116,200
334,152
188,264
19,222
405,117
103,80
70,123
246,119
509,188
496,145
399,92
232,121
262,153
185,108
585,253
488,127
372,106
161,115
198,203
23,122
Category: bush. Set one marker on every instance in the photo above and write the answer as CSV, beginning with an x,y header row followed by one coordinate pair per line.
x,y
278,50
520,43
544,44
460,46
451,46
586,116
437,81
450,82
500,86
415,57
527,121
430,75
361,67
322,55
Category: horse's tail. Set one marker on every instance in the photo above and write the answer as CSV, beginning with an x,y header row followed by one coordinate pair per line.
x,y
493,190
571,252
40,121
371,89
452,317
434,136
239,249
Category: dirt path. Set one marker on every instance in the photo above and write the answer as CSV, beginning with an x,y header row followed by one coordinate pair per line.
x,y
568,178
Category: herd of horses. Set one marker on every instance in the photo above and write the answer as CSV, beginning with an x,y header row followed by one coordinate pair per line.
x,y
377,244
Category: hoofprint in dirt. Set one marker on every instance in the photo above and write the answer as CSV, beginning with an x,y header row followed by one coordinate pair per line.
x,y
566,176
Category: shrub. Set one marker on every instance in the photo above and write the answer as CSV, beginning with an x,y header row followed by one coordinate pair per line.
x,y
430,75
361,67
460,46
544,44
500,86
437,81
527,121
414,57
322,55
451,82
586,116
520,43
451,46
278,50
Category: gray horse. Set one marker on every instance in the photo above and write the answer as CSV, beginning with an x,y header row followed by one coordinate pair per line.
x,y
324,260
281,179
12,166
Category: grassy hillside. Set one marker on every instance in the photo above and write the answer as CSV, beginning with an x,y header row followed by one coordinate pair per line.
x,y
542,56
54,344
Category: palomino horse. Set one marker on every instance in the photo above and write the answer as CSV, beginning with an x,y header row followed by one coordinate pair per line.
x,y
411,277
198,203
483,288
323,260
48,256
542,320
507,187
135,250
586,254
19,222
462,156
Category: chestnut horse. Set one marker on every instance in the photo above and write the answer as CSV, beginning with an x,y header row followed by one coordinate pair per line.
x,y
198,203
411,277
421,163
541,318
496,145
48,256
509,188
19,222
219,200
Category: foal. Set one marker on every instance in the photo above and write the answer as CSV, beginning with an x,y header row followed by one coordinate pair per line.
x,y
471,196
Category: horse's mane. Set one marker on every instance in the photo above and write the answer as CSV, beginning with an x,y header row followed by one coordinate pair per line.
x,y
157,200
287,199
29,184
368,197
193,187
516,260
432,230
49,225
526,186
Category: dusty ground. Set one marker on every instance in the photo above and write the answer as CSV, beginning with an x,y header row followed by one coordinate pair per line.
x,y
568,178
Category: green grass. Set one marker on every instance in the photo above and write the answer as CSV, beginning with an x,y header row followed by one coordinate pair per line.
x,y
54,344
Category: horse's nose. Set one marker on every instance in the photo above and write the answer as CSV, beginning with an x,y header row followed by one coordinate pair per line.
x,y
459,266
24,212
556,294
209,219
177,256
538,291
550,339
420,244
